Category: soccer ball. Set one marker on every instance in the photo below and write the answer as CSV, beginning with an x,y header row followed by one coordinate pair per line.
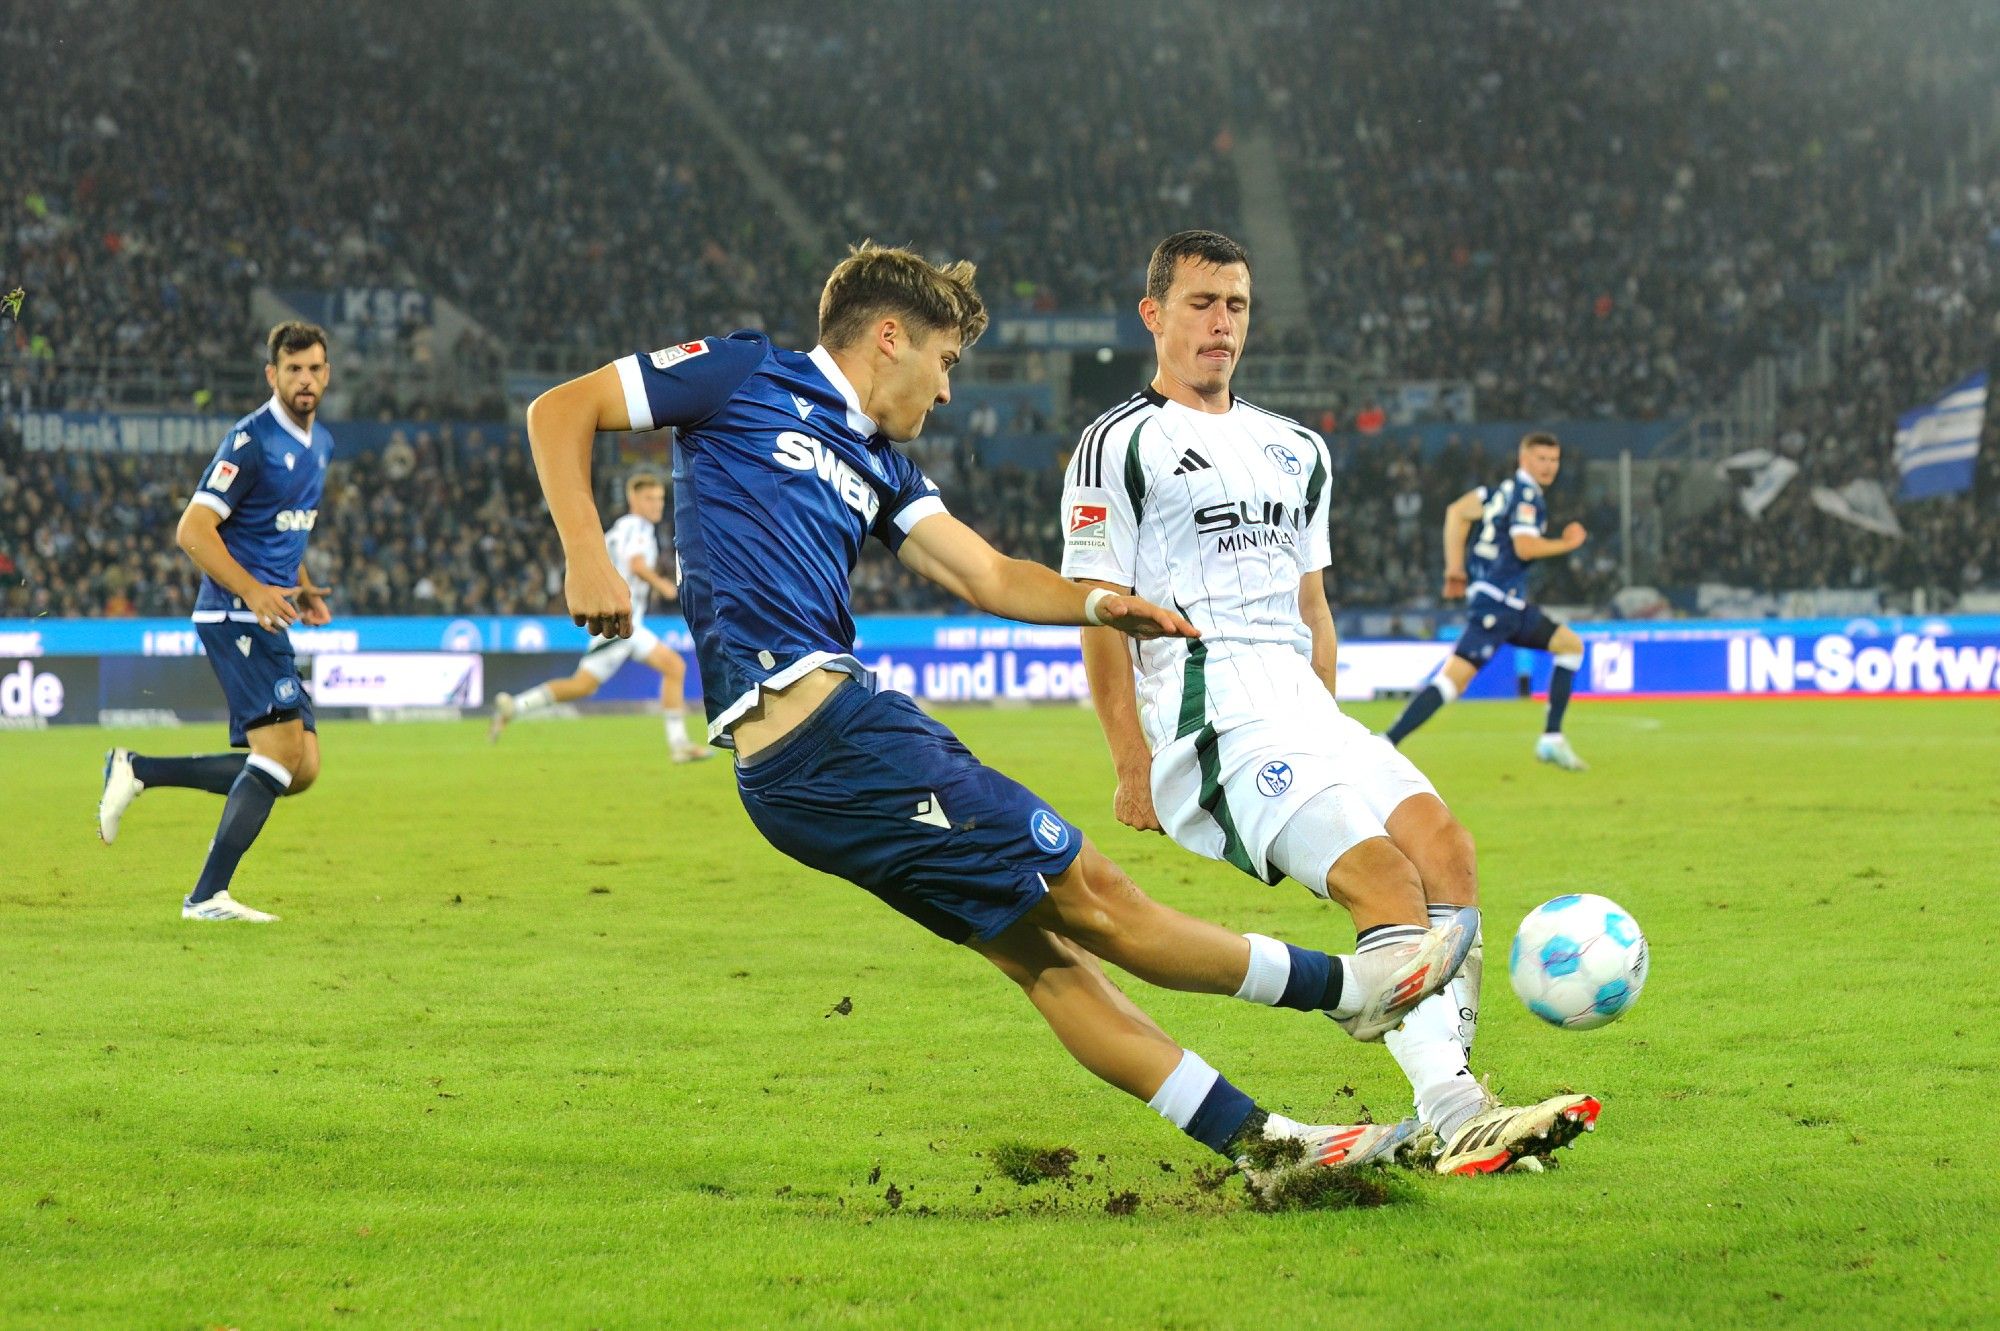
x,y
1579,961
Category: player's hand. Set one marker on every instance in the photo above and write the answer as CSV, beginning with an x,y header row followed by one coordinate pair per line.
x,y
598,598
1132,803
313,609
1574,535
272,606
1454,585
1142,619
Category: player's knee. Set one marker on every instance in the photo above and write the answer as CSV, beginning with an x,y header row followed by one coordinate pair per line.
x,y
1095,898
1374,872
303,777
1566,642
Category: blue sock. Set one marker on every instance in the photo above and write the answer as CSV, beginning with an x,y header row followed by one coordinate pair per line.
x,y
215,772
1223,1112
1559,684
1314,982
1421,709
250,799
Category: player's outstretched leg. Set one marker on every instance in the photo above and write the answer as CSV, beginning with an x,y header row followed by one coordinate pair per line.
x,y
265,778
673,705
1445,687
509,707
1553,747
1095,905
1111,1036
127,775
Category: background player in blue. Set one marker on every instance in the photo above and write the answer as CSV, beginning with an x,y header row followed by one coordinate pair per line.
x,y
1512,520
246,530
785,463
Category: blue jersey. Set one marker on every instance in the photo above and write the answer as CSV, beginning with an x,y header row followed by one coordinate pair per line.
x,y
1515,507
265,480
778,480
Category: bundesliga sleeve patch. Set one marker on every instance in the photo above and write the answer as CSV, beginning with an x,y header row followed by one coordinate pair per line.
x,y
1086,525
222,477
1525,513
668,357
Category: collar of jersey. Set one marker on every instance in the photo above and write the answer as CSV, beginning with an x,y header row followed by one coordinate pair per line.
x,y
284,419
1521,475
857,420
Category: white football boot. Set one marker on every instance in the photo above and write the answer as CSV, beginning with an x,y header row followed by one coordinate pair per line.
x,y
120,789
1555,749
222,906
503,712
1398,978
1502,1137
1332,1146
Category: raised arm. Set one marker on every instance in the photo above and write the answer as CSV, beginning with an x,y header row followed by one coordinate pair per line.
x,y
1458,520
945,551
562,423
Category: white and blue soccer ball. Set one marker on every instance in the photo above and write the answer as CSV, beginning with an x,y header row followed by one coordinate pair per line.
x,y
1578,961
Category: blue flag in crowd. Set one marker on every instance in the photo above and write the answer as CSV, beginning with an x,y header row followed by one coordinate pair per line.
x,y
1937,444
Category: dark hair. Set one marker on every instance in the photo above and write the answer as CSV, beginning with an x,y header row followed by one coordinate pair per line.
x,y
293,335
1209,247
1540,439
874,281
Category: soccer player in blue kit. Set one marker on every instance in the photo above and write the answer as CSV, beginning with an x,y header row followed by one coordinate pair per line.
x,y
784,463
246,530
1512,519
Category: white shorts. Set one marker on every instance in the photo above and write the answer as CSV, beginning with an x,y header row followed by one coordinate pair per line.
x,y
601,662
1228,794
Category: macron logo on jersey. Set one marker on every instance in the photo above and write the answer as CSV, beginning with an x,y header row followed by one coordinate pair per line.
x,y
668,357
805,408
802,452
1086,524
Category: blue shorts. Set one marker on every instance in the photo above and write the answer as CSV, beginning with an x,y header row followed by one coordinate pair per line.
x,y
260,677
871,790
1491,623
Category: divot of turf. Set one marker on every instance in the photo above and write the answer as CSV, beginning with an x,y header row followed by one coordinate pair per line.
x,y
1028,1165
1332,1190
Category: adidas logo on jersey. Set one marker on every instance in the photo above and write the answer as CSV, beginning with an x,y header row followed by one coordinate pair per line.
x,y
1192,461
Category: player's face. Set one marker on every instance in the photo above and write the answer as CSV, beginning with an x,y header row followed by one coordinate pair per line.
x,y
1200,328
299,380
1542,463
916,382
650,503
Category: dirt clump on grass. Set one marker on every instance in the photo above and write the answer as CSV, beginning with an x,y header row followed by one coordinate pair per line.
x,y
1028,1165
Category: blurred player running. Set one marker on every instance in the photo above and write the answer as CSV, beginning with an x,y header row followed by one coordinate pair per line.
x,y
1232,742
1512,519
246,530
634,546
785,463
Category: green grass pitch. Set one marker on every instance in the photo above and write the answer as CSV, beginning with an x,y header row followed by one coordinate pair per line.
x,y
549,1038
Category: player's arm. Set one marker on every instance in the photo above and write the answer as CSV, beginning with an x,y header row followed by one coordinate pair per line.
x,y
1531,546
199,533
943,550
652,577
1107,663
1458,523
1318,617
562,424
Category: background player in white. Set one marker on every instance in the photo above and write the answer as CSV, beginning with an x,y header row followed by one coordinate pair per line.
x,y
634,546
1504,530
1232,743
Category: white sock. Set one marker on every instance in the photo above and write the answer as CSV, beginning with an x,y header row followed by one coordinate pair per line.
x,y
1270,967
677,738
1464,988
1181,1094
1428,1051
533,700
1446,689
1352,995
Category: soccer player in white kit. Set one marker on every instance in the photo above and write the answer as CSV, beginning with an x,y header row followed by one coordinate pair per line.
x,y
1232,742
634,545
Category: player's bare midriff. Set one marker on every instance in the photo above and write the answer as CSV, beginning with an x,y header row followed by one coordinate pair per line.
x,y
781,711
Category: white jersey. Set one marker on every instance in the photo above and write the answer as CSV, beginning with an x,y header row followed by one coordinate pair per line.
x,y
1219,516
629,536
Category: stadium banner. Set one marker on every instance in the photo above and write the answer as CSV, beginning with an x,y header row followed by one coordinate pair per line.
x,y
36,693
367,316
1937,444
1084,331
158,432
398,679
